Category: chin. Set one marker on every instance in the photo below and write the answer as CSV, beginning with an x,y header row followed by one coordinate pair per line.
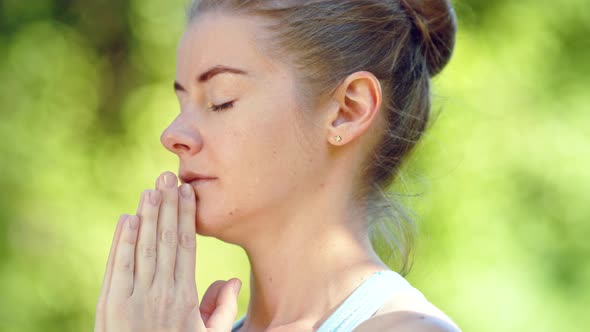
x,y
205,226
212,225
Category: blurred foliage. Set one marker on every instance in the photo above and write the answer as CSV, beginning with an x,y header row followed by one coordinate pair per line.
x,y
503,172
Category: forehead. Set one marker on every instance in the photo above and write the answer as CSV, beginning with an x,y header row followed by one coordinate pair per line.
x,y
222,39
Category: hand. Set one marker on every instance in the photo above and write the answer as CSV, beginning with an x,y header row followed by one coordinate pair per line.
x,y
149,283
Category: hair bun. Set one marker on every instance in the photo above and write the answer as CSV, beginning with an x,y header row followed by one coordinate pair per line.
x,y
437,23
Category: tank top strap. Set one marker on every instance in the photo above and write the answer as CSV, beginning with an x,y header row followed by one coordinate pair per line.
x,y
238,324
364,301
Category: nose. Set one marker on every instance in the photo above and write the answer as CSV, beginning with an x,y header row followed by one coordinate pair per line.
x,y
181,140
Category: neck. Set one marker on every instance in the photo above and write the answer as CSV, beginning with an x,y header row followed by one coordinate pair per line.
x,y
301,272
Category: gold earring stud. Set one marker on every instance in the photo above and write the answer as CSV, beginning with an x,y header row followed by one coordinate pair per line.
x,y
338,138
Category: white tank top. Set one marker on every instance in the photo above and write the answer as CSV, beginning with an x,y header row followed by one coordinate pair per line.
x,y
363,303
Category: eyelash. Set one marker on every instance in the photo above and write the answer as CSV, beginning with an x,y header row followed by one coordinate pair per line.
x,y
222,107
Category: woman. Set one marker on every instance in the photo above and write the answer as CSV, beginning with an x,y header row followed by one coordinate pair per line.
x,y
294,117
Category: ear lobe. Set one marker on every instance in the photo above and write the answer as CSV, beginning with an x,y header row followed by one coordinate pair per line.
x,y
359,100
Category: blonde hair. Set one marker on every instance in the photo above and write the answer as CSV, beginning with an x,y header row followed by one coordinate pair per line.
x,y
402,42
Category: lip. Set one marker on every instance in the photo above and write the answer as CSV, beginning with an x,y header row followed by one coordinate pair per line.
x,y
193,177
200,181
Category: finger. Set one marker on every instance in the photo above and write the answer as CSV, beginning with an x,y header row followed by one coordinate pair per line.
x,y
122,281
226,309
167,228
209,301
141,199
145,255
100,307
186,251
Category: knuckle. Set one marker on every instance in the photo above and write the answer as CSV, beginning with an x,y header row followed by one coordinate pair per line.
x,y
163,299
125,265
168,237
187,240
148,251
156,300
169,299
189,302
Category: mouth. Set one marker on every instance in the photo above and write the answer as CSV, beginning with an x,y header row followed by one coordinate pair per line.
x,y
195,178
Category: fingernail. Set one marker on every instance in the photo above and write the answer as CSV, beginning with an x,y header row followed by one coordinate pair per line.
x,y
144,196
123,219
186,190
170,180
133,222
154,197
237,286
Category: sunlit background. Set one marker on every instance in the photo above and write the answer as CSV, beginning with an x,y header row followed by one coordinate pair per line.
x,y
503,174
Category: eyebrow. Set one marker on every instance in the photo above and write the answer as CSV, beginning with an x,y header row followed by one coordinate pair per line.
x,y
209,74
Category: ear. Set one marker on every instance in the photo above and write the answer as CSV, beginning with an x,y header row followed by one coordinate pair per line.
x,y
357,103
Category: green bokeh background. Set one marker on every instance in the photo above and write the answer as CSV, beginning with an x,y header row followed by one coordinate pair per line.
x,y
86,89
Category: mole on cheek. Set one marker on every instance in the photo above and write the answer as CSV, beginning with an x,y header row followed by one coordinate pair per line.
x,y
231,213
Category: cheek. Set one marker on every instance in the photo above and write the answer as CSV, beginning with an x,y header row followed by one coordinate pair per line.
x,y
262,152
262,134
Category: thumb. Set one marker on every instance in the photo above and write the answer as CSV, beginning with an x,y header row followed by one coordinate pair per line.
x,y
223,317
209,301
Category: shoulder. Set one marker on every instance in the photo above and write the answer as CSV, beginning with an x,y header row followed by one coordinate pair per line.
x,y
406,321
412,300
408,311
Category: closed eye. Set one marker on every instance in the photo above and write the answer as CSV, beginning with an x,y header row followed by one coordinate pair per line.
x,y
222,107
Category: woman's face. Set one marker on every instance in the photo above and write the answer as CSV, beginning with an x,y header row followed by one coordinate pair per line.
x,y
242,124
